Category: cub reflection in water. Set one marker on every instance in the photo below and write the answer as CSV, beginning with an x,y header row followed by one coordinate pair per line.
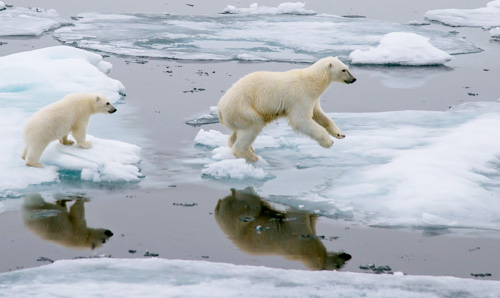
x,y
256,228
53,222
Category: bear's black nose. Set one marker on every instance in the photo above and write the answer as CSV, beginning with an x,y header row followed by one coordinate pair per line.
x,y
112,111
108,233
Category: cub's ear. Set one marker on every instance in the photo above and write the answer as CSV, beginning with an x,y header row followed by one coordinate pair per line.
x,y
97,99
330,65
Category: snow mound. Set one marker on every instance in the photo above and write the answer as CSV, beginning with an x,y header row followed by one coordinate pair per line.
x,y
402,48
486,17
179,278
495,33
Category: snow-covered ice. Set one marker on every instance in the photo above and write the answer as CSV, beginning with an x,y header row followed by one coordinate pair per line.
x,y
19,21
180,278
495,33
397,169
486,17
402,48
296,8
34,79
260,37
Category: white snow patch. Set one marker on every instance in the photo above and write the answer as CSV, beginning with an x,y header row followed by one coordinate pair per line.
x,y
19,21
233,169
402,48
180,278
296,8
486,17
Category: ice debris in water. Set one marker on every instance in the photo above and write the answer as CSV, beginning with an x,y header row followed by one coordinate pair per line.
x,y
402,48
296,8
147,277
394,169
19,21
486,17
205,119
261,37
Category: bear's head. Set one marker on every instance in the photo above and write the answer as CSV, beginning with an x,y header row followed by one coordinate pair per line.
x,y
97,237
102,105
339,72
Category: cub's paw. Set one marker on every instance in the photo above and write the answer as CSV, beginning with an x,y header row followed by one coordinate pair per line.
x,y
326,143
67,142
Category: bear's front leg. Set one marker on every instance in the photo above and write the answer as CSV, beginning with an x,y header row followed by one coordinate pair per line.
x,y
322,119
312,129
64,140
80,135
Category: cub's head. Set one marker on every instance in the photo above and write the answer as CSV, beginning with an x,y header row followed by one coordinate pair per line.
x,y
102,105
339,72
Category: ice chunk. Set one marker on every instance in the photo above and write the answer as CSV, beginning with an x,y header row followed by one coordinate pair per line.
x,y
106,277
260,37
233,169
395,169
401,48
204,119
495,33
296,8
486,17
18,21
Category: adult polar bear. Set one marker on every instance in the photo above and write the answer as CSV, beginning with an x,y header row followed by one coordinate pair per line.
x,y
57,120
261,97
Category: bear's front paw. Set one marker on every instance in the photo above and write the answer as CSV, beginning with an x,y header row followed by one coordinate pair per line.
x,y
86,145
327,143
67,142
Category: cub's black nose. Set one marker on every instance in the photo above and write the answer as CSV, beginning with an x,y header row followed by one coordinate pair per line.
x,y
108,233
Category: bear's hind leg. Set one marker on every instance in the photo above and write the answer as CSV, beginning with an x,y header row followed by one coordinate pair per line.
x,y
242,147
64,140
33,155
232,139
25,150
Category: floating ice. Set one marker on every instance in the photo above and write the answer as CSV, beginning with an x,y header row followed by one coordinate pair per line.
x,y
396,169
34,79
296,8
20,21
495,33
402,48
179,278
486,17
209,118
260,37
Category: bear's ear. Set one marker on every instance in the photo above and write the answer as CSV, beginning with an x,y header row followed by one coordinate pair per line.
x,y
97,99
330,65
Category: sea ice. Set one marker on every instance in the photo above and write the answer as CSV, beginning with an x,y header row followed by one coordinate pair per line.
x,y
34,79
486,17
267,36
296,8
180,278
421,169
19,21
495,33
402,48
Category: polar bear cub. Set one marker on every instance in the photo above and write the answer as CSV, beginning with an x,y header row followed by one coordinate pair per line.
x,y
57,120
261,97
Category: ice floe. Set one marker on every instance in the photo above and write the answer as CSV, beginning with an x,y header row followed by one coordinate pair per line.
x,y
179,278
397,169
486,17
19,21
259,37
296,8
34,79
495,33
402,48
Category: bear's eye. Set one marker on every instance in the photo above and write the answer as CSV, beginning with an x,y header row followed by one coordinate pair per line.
x,y
107,103
343,70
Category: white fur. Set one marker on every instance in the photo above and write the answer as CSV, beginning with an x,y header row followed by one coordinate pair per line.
x,y
57,120
262,97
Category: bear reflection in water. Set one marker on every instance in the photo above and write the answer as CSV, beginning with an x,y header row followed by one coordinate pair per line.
x,y
256,228
53,222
